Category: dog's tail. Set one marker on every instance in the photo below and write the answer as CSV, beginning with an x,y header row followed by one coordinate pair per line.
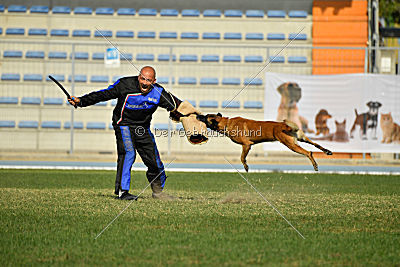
x,y
355,110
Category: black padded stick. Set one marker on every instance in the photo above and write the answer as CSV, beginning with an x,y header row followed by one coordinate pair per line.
x,y
60,85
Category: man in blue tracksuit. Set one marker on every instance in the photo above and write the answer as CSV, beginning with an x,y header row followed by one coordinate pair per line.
x,y
138,98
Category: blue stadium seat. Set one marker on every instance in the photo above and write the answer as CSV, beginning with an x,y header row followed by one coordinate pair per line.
x,y
230,104
10,77
34,54
254,36
169,12
253,104
168,35
297,59
16,9
231,58
190,13
7,124
28,124
297,14
166,57
57,55
101,33
189,35
298,36
77,125
147,12
146,34
81,33
40,9
33,77
251,81
275,36
165,80
212,13
96,126
110,126
179,127
98,56
58,77
161,126
233,13
126,11
187,80
61,10
53,101
253,59
8,100
15,31
144,57
78,78
99,79
126,56
2,8
104,11
51,124
193,102
208,104
209,81
188,58
1,30
255,13
124,34
12,53
230,81
36,31
80,55
277,59
116,78
211,35
210,58
31,101
83,10
59,32
276,14
232,36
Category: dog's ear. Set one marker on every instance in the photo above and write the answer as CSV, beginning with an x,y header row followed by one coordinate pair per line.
x,y
379,104
219,114
282,87
369,103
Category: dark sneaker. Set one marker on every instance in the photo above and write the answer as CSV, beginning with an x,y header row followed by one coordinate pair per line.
x,y
126,196
162,196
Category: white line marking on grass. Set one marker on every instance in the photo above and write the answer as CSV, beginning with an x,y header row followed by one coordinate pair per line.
x,y
266,200
131,201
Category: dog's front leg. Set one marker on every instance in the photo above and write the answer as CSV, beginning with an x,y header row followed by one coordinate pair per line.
x,y
245,150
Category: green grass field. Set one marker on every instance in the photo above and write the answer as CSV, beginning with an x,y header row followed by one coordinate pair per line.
x,y
51,217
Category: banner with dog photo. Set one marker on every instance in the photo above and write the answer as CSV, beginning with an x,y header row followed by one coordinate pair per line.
x,y
344,113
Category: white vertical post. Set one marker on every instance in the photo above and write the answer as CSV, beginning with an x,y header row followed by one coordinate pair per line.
x,y
71,148
169,88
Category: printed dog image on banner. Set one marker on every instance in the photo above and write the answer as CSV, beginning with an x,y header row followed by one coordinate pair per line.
x,y
327,102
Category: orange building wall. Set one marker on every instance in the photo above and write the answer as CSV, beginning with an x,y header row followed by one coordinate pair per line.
x,y
344,24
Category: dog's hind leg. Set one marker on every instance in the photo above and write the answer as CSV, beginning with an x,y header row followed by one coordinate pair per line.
x,y
305,139
289,141
245,150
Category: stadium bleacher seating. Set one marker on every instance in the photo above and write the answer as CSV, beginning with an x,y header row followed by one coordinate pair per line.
x,y
233,13
168,35
252,81
297,59
96,125
230,81
253,59
104,11
189,35
39,9
99,79
10,76
77,125
253,105
51,124
28,124
59,32
2,8
145,57
33,77
146,34
190,13
8,100
187,80
12,53
255,36
61,10
15,31
232,58
102,33
53,101
169,12
209,81
166,57
147,12
58,77
255,13
31,100
188,58
211,35
208,104
230,104
34,54
275,36
81,33
98,56
7,124
210,58
80,55
232,36
126,11
57,55
83,10
165,80
277,59
16,9
124,34
79,78
297,36
212,13
297,14
276,14
37,31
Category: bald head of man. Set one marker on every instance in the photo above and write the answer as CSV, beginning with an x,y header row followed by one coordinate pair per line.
x,y
147,77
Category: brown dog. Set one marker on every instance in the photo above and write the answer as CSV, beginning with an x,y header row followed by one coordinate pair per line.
x,y
288,110
249,132
321,122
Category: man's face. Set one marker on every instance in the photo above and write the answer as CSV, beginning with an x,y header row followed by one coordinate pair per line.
x,y
146,81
